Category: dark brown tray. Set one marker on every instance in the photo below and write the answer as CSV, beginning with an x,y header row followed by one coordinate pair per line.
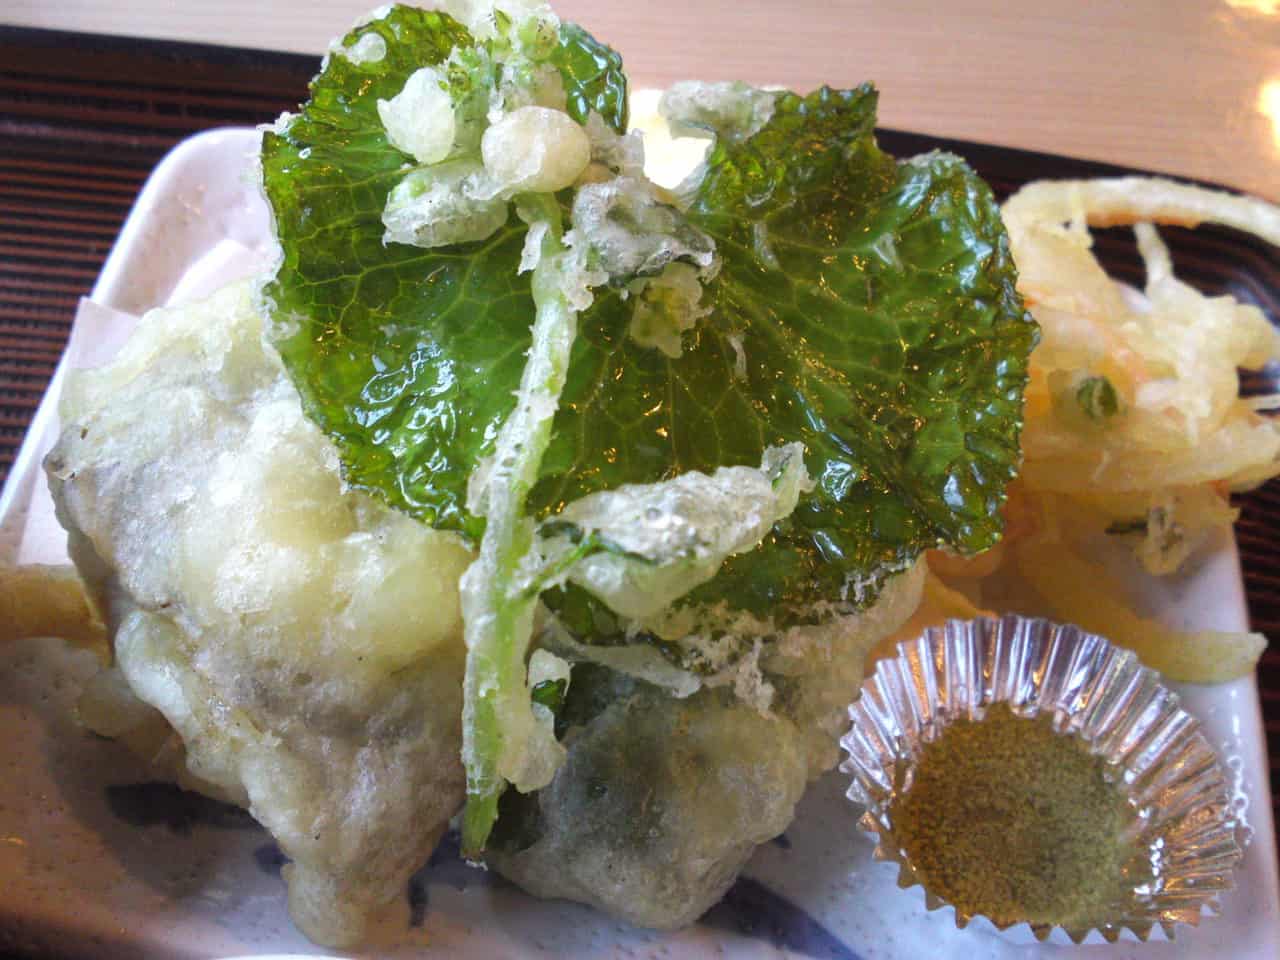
x,y
83,119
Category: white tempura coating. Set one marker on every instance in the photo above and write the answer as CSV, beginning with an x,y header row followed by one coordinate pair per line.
x,y
419,119
535,149
683,528
370,48
668,306
454,202
304,641
478,15
729,108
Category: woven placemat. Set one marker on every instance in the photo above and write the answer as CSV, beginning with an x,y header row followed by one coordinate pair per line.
x,y
83,119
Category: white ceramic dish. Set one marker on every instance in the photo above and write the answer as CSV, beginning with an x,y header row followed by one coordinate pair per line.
x,y
97,862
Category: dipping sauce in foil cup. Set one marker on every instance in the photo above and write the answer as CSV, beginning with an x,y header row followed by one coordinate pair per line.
x,y
1029,772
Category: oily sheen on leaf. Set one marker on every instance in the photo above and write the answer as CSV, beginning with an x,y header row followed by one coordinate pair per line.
x,y
408,358
866,308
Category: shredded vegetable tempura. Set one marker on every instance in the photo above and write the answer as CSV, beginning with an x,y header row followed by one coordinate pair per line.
x,y
1135,427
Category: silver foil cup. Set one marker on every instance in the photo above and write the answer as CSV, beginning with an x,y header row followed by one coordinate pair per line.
x,y
1176,788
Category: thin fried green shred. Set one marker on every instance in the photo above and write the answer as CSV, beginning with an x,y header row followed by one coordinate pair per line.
x,y
1097,398
501,741
550,693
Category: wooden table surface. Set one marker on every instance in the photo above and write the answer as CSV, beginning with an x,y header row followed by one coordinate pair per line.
x,y
1191,88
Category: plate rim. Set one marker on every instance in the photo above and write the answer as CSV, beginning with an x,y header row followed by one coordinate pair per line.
x,y
115,277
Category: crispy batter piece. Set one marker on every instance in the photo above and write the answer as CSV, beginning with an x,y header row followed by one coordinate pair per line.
x,y
302,640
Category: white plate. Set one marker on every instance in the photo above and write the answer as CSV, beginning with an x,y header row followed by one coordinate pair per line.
x,y
96,862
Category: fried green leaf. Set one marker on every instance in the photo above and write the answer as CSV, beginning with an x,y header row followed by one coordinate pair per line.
x,y
408,358
864,308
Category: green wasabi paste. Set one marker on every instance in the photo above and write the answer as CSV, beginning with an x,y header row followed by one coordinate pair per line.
x,y
1008,819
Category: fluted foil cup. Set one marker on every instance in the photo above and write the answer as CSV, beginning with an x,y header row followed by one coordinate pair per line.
x,y
1177,790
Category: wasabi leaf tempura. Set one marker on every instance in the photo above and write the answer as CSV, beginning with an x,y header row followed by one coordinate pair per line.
x,y
496,316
